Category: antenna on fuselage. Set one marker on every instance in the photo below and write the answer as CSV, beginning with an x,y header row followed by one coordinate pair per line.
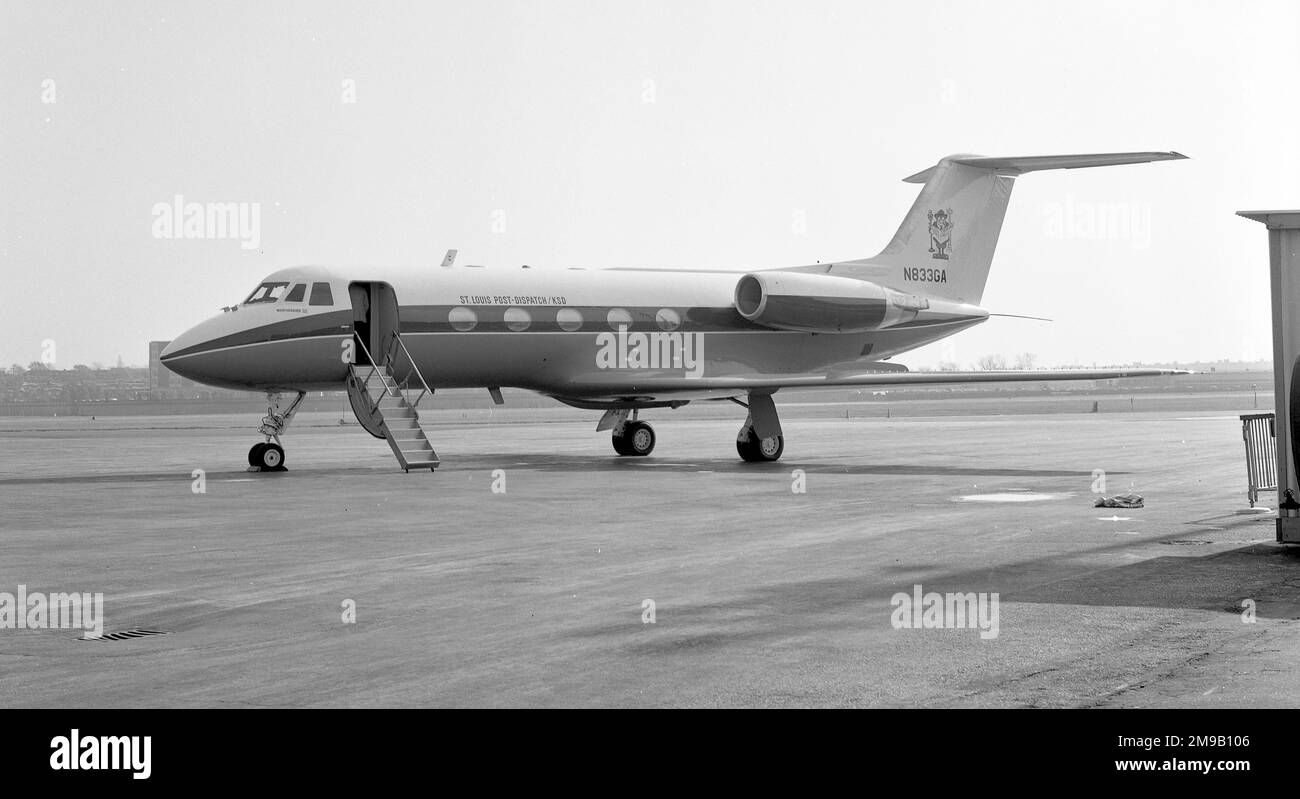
x,y
449,259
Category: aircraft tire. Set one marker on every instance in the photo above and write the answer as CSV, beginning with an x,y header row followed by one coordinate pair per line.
x,y
255,455
641,439
755,450
620,445
638,439
272,457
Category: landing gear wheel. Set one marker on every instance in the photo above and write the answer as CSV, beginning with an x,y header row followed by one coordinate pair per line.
x,y
638,438
255,455
271,458
620,445
757,450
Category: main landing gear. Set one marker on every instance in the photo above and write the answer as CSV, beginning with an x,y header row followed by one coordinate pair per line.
x,y
268,456
635,438
630,437
755,449
760,439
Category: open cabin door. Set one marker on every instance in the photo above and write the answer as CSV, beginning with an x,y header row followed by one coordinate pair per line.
x,y
375,320
380,377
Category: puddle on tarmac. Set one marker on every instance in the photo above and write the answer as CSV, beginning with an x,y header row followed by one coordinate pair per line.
x,y
1009,496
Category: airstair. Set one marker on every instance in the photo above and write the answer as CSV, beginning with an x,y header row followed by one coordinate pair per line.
x,y
388,408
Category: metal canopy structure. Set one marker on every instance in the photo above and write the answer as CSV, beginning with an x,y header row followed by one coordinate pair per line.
x,y
1284,268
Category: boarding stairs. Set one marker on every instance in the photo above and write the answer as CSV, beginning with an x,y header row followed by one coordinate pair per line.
x,y
391,409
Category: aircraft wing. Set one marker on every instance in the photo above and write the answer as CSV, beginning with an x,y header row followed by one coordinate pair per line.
x,y
1027,376
615,384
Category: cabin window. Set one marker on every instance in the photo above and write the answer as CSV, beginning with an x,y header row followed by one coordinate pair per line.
x,y
518,319
569,319
297,293
321,294
619,318
267,292
462,319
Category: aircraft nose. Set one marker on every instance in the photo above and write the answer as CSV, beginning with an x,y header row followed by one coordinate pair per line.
x,y
185,354
187,340
169,350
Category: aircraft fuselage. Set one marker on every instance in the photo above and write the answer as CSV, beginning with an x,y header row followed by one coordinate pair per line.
x,y
564,332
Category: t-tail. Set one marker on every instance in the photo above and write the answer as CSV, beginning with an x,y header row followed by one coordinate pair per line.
x,y
945,246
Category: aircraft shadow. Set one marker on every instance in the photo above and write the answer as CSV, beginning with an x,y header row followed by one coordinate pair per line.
x,y
1215,582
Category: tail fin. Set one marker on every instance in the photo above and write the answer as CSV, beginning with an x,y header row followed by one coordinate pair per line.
x,y
944,247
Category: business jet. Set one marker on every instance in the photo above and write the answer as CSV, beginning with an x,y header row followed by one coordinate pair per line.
x,y
623,340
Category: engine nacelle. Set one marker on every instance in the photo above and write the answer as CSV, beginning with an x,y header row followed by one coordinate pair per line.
x,y
820,303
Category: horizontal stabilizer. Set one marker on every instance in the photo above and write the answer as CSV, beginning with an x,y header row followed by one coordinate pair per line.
x,y
1033,163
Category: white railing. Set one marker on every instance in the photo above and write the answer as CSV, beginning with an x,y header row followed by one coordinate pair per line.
x,y
405,386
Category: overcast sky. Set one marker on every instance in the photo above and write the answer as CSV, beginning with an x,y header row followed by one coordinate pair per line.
x,y
665,134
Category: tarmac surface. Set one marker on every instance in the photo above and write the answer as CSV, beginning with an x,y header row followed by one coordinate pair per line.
x,y
535,594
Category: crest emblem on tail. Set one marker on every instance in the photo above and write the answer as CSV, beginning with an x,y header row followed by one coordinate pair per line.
x,y
940,233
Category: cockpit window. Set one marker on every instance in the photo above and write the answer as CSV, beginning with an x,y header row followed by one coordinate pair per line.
x,y
296,293
267,292
321,294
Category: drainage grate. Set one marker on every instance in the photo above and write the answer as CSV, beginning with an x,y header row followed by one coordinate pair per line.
x,y
124,635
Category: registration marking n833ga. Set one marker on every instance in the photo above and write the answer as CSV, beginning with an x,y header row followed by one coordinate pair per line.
x,y
918,274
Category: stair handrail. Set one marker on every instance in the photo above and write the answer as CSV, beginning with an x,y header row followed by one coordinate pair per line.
x,y
424,385
389,356
374,367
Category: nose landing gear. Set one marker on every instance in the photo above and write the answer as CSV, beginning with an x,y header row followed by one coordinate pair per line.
x,y
268,456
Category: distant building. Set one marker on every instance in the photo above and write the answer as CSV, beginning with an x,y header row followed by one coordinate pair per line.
x,y
162,379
